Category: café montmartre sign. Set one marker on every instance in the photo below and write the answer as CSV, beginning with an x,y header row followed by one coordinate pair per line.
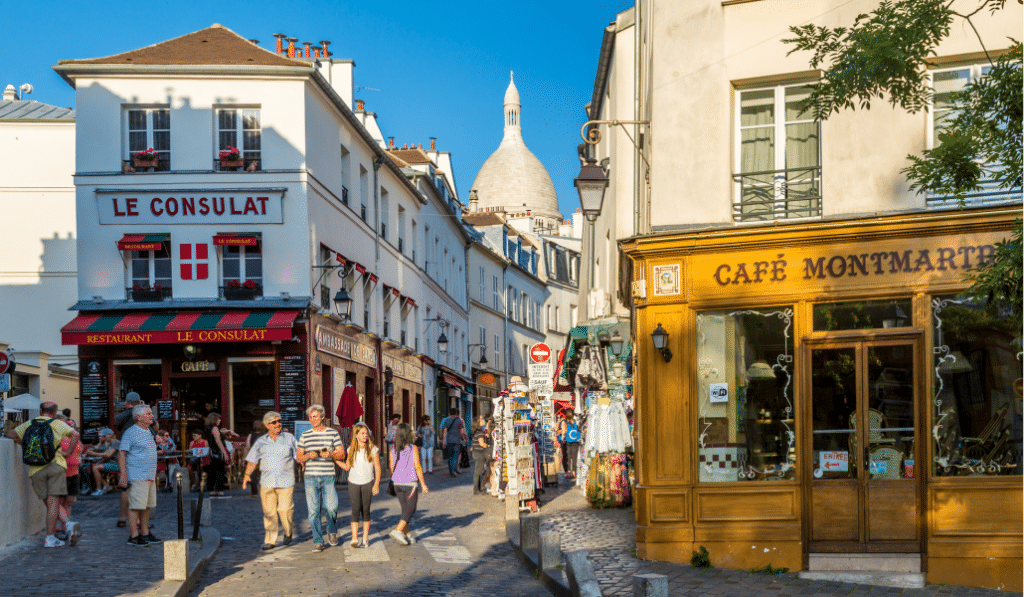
x,y
841,266
195,206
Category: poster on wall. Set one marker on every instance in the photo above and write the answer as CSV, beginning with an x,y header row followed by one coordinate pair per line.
x,y
95,400
666,280
291,390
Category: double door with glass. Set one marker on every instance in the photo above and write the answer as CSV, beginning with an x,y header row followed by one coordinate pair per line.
x,y
864,464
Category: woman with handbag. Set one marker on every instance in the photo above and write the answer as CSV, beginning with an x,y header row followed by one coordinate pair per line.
x,y
406,478
363,468
216,471
481,455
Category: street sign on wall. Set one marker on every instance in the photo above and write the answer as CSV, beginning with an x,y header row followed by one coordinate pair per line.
x,y
540,353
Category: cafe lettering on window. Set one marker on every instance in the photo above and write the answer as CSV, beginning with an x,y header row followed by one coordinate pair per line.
x,y
840,266
213,206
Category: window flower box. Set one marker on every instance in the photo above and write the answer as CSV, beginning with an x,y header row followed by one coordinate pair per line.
x,y
235,163
230,157
144,294
245,291
146,159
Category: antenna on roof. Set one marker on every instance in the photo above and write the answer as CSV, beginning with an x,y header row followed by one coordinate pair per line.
x,y
366,88
25,90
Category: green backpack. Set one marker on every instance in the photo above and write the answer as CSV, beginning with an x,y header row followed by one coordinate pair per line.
x,y
37,444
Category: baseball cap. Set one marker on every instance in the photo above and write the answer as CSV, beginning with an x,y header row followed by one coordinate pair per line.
x,y
132,397
106,431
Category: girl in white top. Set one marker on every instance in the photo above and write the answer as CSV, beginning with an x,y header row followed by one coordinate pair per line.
x,y
363,466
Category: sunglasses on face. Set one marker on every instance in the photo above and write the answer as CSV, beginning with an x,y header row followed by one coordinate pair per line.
x,y
275,422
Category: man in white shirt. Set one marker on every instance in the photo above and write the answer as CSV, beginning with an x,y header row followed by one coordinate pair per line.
x,y
275,452
136,458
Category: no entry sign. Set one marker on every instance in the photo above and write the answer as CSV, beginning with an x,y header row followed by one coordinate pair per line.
x,y
5,362
540,353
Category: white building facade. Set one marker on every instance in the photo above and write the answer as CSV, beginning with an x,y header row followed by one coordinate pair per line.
x,y
207,283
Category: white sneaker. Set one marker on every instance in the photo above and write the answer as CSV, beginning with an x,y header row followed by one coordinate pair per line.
x,y
52,541
98,492
399,536
73,532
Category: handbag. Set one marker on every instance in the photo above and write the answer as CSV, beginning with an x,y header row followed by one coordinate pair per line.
x,y
391,487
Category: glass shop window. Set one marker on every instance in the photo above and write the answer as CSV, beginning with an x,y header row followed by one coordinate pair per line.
x,y
976,406
863,315
746,417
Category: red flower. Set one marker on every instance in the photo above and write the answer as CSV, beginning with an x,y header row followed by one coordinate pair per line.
x,y
157,287
232,284
230,153
149,154
249,284
137,287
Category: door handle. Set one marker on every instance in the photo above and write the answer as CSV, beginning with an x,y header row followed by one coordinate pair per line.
x,y
867,458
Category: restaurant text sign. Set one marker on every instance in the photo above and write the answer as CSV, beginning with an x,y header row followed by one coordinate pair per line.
x,y
210,206
334,343
840,266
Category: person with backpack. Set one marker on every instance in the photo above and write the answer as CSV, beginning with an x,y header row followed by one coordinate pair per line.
x,y
40,441
570,431
453,436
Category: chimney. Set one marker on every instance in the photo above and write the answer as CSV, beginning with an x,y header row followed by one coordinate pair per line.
x,y
254,42
280,42
360,105
391,142
307,44
406,146
316,52
10,93
419,146
324,45
474,201
291,46
433,144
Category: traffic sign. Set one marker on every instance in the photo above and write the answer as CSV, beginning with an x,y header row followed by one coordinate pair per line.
x,y
5,362
540,352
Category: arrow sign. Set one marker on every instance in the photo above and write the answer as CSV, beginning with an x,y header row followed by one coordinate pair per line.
x,y
835,461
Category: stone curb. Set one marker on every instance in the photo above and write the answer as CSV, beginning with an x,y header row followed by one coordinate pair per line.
x,y
552,578
176,588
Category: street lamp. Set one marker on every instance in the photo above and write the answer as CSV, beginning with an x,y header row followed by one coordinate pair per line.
x,y
660,338
590,184
442,343
343,305
483,352
616,343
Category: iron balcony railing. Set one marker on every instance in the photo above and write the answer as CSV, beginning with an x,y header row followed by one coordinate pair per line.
x,y
778,194
989,194
344,194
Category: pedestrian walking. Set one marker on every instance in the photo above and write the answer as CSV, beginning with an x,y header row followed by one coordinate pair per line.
x,y
73,479
389,433
407,476
453,436
122,422
137,460
276,453
481,449
572,443
425,442
40,440
318,448
258,429
363,466
216,470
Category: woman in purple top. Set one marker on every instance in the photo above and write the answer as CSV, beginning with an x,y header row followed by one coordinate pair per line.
x,y
406,474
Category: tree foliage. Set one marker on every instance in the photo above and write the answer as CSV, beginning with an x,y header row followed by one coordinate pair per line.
x,y
885,55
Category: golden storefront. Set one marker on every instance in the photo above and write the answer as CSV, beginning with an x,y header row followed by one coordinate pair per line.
x,y
827,393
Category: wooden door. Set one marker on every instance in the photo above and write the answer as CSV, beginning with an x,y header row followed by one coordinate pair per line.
x,y
864,423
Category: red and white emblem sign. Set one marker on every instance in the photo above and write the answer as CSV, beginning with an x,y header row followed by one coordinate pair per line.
x,y
202,253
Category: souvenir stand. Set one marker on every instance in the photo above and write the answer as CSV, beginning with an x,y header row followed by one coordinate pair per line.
x,y
603,386
520,453
547,432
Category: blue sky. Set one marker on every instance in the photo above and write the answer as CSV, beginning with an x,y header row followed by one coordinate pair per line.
x,y
441,68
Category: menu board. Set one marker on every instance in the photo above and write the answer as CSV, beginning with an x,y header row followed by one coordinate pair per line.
x,y
165,409
95,399
291,390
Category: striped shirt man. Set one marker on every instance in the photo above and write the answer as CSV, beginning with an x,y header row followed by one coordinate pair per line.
x,y
315,441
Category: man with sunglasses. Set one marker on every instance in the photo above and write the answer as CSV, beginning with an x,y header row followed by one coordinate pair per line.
x,y
275,452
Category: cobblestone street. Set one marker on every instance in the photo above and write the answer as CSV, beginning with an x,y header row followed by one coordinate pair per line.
x,y
461,549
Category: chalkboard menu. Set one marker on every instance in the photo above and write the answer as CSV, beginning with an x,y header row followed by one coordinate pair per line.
x,y
165,409
95,400
291,390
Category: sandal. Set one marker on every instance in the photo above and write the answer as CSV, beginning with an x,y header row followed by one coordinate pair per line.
x,y
121,524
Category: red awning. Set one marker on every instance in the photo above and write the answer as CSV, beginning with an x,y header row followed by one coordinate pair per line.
x,y
247,239
340,258
360,268
179,327
142,242
452,380
409,301
373,278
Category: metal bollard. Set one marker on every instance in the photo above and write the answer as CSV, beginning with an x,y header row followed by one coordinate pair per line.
x,y
199,509
181,506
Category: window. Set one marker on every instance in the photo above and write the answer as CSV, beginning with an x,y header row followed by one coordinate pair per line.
x,y
944,84
384,213
367,305
243,264
573,316
975,408
549,317
240,128
346,158
778,154
151,272
150,127
745,409
401,229
497,349
363,191
412,241
325,278
557,325
496,293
